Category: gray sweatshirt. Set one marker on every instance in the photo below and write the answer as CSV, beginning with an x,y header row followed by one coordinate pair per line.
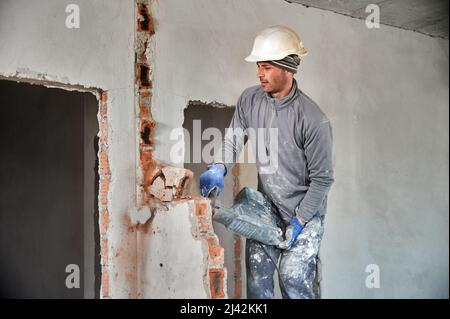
x,y
294,158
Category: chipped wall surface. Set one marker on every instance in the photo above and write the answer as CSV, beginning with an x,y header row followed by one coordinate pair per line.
x,y
98,55
386,93
181,255
194,262
179,268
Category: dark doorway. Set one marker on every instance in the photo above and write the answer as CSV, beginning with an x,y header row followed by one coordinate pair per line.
x,y
48,178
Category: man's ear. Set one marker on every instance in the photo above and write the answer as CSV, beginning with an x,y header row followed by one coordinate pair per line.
x,y
289,74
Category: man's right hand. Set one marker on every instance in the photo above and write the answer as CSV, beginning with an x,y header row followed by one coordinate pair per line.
x,y
292,231
212,179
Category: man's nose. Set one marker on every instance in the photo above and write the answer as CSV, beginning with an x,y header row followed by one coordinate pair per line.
x,y
260,73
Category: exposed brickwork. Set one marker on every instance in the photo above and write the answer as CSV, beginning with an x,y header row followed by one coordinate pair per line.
x,y
144,111
104,183
104,249
145,21
103,129
104,222
168,183
104,190
237,267
215,251
204,231
104,162
103,104
203,220
237,240
159,190
146,125
105,282
157,181
216,282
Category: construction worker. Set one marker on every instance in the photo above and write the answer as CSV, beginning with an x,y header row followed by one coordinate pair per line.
x,y
299,185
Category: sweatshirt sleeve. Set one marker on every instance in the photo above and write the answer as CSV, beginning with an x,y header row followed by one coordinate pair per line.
x,y
235,138
318,152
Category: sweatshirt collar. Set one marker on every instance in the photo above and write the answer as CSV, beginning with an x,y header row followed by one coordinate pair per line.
x,y
285,101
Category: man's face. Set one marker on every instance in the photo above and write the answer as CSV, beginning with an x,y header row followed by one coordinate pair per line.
x,y
273,80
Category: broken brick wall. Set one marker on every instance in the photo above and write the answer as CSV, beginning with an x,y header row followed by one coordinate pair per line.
x,y
178,253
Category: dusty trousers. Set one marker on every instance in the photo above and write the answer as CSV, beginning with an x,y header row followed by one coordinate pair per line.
x,y
297,266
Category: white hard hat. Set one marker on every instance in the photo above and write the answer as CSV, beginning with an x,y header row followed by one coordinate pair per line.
x,y
276,43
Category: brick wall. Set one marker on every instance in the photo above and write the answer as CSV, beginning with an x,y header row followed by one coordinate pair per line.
x,y
105,180
216,272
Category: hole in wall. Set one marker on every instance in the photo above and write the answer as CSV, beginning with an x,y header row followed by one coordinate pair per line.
x,y
144,75
147,132
144,23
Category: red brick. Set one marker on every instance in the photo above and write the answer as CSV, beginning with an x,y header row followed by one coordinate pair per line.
x,y
237,267
103,104
104,162
104,222
177,177
104,189
104,96
105,282
143,111
147,163
103,136
159,190
237,246
145,93
216,282
104,251
216,253
172,175
203,224
200,209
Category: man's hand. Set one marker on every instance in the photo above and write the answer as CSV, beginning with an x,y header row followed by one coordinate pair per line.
x,y
212,179
292,231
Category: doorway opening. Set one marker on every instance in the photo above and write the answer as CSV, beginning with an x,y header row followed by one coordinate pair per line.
x,y
48,192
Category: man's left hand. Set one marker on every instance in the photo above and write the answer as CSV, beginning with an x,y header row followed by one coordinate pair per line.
x,y
292,231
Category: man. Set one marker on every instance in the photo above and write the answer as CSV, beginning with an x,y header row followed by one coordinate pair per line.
x,y
299,185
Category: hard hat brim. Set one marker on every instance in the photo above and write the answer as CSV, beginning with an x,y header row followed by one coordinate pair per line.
x,y
257,58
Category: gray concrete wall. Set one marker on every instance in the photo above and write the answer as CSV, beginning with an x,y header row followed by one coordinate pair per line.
x,y
386,93
35,44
